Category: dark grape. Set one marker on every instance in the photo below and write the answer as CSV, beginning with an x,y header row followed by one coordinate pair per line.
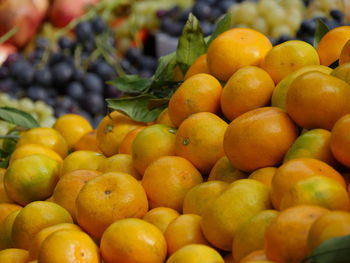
x,y
6,84
36,92
207,28
308,27
112,92
42,42
148,63
98,25
12,58
93,103
105,71
92,83
337,15
4,72
202,10
133,55
84,31
62,72
43,77
22,72
65,43
56,57
75,90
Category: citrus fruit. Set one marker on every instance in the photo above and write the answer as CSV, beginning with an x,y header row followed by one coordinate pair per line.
x,y
111,131
336,39
82,160
164,118
125,146
87,142
4,198
315,144
200,65
119,163
229,210
133,240
340,140
72,127
263,130
279,94
6,230
107,198
34,217
68,246
298,169
287,57
198,196
342,72
258,255
175,175
263,175
196,142
195,253
234,49
344,56
31,149
69,186
161,217
250,236
184,230
249,88
31,178
223,170
199,93
329,225
317,100
151,143
294,223
48,137
6,209
14,255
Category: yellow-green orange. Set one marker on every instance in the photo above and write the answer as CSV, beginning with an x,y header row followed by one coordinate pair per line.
x,y
223,170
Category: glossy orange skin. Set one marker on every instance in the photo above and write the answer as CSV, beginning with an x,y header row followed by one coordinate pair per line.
x,y
88,142
200,65
256,255
12,255
317,100
200,93
161,217
344,56
223,170
342,72
255,133
126,144
264,175
340,140
286,236
6,209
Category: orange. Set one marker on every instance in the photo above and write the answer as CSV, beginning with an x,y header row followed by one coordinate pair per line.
x,y
335,38
4,198
87,142
263,130
6,209
264,175
195,253
14,255
164,118
168,179
6,230
258,255
199,139
279,94
35,217
107,198
69,186
48,137
229,210
177,74
151,143
285,58
249,88
200,65
161,217
229,258
199,93
329,225
31,178
223,170
342,72
125,146
317,100
68,246
234,49
250,236
198,196
344,56
82,160
184,230
44,233
72,127
112,130
340,140
317,190
119,163
31,149
298,169
315,144
133,240
286,236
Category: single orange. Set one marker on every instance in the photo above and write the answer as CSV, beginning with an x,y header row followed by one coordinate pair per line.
x,y
340,140
6,230
263,175
199,93
258,255
133,240
87,142
4,198
234,49
125,146
14,255
249,88
164,118
342,72
31,149
223,170
344,56
6,209
196,253
200,65
161,217
263,130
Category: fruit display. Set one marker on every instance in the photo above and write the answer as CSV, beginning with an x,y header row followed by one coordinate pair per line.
x,y
234,150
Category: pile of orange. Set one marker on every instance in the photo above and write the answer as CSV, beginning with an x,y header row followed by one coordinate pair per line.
x,y
249,163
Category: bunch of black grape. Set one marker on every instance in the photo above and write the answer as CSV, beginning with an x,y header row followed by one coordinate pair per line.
x,y
73,76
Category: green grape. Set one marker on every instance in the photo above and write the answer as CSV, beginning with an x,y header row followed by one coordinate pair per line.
x,y
260,25
294,19
279,30
26,104
278,15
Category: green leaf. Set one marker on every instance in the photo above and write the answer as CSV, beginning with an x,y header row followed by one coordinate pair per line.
x,y
131,84
191,44
222,25
18,117
155,103
164,73
334,64
137,107
334,250
321,30
4,163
